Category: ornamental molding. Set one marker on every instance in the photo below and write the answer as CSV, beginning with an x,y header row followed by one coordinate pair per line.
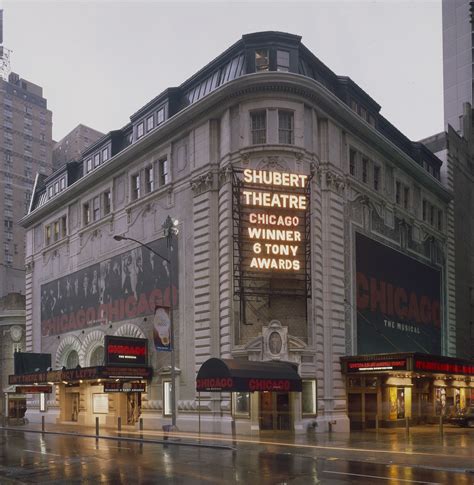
x,y
225,175
92,340
333,181
203,183
129,330
67,344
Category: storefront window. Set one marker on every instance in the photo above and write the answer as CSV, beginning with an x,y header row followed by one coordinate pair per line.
x,y
354,382
241,404
308,398
400,403
440,401
370,382
167,398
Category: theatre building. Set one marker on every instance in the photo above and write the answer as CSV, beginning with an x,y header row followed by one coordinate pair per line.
x,y
310,230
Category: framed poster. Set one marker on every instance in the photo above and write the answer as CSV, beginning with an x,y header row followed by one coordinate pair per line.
x,y
100,403
42,402
162,329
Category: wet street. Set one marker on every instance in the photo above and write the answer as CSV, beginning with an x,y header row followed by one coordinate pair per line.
x,y
53,458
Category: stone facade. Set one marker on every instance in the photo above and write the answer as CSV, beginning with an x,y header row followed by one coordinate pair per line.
x,y
204,144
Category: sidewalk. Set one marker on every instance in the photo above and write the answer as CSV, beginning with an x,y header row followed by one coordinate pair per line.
x,y
420,439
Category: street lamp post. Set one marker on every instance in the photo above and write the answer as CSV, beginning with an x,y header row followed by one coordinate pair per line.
x,y
170,229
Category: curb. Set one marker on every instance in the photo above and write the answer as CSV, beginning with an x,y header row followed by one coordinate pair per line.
x,y
164,442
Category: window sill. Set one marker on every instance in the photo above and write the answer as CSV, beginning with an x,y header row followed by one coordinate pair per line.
x,y
148,197
95,224
56,244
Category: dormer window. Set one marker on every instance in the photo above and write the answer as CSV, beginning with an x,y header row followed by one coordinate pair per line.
x,y
160,116
140,130
96,160
262,60
150,123
283,61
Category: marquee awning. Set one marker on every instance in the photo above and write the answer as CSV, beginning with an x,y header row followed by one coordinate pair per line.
x,y
231,375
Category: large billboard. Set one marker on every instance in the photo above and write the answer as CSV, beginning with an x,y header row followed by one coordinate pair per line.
x,y
126,286
398,301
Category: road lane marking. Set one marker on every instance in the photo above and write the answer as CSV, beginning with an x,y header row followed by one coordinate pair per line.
x,y
382,478
42,452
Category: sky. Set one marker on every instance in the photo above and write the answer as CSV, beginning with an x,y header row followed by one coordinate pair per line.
x,y
99,61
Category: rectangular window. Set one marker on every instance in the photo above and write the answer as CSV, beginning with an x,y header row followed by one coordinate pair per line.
x,y
241,404
352,161
63,183
56,187
149,179
308,398
164,172
105,154
140,130
425,210
406,197
365,170
376,177
398,190
86,213
63,226
47,235
440,220
89,165
432,213
285,127
283,61
160,116
50,191
259,127
150,123
135,186
262,60
96,208
107,202
167,398
56,230
96,160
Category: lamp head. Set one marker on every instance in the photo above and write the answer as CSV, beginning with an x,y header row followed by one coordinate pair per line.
x,y
170,226
118,238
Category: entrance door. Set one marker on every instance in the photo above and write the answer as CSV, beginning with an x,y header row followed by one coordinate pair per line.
x,y
16,408
71,409
370,409
275,412
354,405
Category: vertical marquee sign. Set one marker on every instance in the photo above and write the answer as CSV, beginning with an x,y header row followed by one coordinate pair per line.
x,y
271,233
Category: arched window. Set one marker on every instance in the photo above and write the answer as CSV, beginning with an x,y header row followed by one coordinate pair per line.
x,y
72,360
97,356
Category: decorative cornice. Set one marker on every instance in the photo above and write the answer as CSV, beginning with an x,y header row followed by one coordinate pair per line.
x,y
271,82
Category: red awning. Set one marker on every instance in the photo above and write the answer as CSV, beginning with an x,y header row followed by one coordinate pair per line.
x,y
231,375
